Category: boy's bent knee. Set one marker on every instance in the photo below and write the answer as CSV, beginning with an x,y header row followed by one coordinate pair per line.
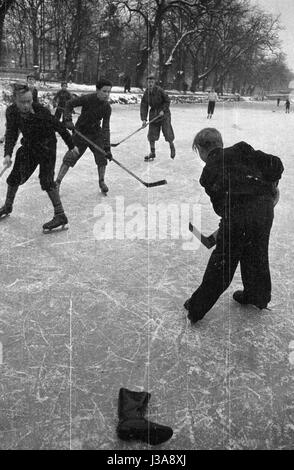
x,y
47,185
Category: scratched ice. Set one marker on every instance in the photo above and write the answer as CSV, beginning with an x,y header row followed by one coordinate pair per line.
x,y
83,317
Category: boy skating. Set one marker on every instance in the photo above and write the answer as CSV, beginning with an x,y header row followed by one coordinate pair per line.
x,y
95,108
31,81
242,185
38,147
212,98
287,105
158,101
60,100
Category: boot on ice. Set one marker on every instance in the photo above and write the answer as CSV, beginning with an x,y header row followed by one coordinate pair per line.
x,y
132,424
101,175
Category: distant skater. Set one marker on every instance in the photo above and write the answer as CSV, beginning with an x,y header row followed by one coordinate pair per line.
x,y
159,102
31,81
212,98
287,105
127,83
278,101
60,99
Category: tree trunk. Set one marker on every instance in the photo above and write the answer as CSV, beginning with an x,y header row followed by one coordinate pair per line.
x,y
146,52
162,68
3,10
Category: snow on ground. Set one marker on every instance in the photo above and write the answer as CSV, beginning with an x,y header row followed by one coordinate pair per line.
x,y
82,317
47,91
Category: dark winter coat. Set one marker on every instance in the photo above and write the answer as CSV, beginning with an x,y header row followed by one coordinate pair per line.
x,y
38,129
234,173
35,95
157,99
93,112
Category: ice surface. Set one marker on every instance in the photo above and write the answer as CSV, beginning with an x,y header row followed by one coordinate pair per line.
x,y
83,317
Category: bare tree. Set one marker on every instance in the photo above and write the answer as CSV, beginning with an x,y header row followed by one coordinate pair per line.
x,y
5,5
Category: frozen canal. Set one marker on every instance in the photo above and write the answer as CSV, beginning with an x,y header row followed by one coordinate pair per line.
x,y
81,317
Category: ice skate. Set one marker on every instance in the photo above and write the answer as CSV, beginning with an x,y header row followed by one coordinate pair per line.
x,y
150,157
103,187
59,220
5,211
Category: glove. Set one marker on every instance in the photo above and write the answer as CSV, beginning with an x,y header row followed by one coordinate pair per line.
x,y
70,125
108,154
7,161
75,151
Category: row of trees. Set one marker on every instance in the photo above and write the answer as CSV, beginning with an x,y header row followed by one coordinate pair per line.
x,y
220,43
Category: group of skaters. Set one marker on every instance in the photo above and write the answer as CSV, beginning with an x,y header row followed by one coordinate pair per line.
x,y
241,182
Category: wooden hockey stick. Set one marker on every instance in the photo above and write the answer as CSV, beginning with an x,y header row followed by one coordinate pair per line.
x,y
135,132
3,171
209,241
147,185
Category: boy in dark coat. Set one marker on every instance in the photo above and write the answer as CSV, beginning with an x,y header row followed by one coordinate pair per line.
x,y
158,101
38,147
127,83
60,100
95,108
242,185
287,105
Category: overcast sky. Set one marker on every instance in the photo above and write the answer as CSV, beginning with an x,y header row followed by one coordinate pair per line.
x,y
286,9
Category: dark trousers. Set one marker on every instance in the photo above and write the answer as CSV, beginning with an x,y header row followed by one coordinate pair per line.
x,y
82,145
211,106
164,125
243,237
59,113
26,162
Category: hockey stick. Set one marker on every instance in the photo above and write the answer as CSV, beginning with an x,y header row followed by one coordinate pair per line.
x,y
209,241
147,185
3,171
135,132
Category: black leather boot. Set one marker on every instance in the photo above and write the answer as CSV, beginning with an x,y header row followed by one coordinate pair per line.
x,y
101,175
132,424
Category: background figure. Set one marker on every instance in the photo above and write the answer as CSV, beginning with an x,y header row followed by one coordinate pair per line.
x,y
242,185
278,101
31,81
60,99
158,101
127,83
287,105
212,98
